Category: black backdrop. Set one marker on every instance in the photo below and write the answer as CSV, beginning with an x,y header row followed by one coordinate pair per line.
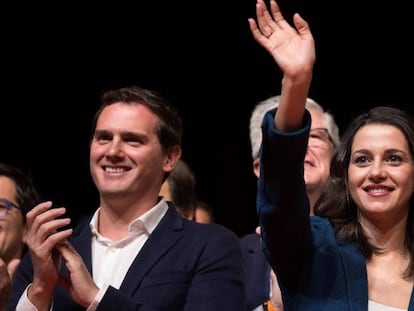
x,y
57,61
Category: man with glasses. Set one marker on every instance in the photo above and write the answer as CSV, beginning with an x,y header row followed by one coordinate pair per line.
x,y
261,288
17,196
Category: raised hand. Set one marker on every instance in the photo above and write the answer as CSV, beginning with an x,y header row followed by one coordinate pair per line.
x,y
292,48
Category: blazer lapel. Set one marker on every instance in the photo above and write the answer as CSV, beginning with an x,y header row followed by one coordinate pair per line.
x,y
81,240
356,273
167,232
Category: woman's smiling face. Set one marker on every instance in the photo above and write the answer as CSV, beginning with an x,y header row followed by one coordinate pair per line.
x,y
381,171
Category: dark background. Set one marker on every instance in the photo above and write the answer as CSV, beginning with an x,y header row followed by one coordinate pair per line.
x,y
57,60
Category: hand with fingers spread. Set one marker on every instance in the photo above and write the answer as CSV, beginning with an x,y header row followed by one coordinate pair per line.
x,y
43,223
292,48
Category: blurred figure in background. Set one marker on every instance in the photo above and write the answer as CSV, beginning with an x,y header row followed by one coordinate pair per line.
x,y
18,195
204,213
180,188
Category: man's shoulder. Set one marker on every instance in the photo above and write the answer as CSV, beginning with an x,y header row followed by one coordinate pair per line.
x,y
209,233
250,238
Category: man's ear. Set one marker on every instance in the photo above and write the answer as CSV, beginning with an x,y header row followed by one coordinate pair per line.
x,y
173,155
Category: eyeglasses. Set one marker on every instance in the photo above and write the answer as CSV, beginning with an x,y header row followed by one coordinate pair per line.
x,y
5,206
319,137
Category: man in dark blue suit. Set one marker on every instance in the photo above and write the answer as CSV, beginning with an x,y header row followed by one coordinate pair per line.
x,y
135,252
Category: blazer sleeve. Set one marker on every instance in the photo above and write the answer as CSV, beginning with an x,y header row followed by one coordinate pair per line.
x,y
282,202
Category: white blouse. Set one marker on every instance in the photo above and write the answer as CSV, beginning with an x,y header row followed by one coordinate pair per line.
x,y
375,306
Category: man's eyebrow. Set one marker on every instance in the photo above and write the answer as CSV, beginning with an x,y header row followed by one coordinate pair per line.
x,y
133,135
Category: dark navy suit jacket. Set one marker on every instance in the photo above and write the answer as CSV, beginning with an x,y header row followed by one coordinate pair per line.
x,y
257,271
315,271
183,265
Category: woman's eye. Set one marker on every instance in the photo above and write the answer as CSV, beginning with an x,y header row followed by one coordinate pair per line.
x,y
361,159
394,158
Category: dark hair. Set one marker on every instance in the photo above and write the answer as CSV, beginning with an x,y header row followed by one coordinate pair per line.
x,y
336,204
182,183
169,129
27,195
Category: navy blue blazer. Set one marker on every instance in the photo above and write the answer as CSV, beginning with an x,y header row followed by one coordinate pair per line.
x,y
315,271
183,265
257,271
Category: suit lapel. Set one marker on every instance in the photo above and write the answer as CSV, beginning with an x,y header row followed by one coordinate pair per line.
x,y
167,232
356,273
81,240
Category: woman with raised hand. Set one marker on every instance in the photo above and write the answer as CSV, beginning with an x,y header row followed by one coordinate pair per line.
x,y
356,253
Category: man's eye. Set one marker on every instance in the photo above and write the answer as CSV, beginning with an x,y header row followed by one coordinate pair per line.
x,y
103,137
